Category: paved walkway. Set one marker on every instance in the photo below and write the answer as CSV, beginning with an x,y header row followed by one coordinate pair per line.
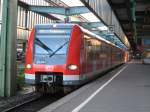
x,y
126,89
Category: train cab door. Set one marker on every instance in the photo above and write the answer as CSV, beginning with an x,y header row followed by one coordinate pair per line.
x,y
83,55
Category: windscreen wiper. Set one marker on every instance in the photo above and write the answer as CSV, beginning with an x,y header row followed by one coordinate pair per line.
x,y
58,49
44,46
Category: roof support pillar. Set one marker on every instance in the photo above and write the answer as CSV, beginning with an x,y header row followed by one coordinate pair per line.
x,y
134,19
8,48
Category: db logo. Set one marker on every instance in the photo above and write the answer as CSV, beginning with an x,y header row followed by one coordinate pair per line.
x,y
50,68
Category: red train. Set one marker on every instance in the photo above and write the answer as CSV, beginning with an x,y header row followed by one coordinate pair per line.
x,y
68,55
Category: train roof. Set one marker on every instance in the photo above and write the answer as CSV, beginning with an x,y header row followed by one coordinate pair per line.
x,y
98,37
55,25
70,26
95,35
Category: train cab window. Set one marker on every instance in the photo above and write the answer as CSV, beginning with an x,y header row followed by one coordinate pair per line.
x,y
51,45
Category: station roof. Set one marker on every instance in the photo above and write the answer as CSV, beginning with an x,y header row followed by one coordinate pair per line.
x,y
87,18
134,16
98,26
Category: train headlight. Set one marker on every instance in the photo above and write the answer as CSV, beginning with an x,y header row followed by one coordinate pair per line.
x,y
28,66
72,67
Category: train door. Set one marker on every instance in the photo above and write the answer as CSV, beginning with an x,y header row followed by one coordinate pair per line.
x,y
109,56
104,56
83,55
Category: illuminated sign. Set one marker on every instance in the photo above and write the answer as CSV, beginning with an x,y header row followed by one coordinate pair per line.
x,y
53,31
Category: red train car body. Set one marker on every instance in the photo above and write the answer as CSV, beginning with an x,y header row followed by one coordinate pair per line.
x,y
68,55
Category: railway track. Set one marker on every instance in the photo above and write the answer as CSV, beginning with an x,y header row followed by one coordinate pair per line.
x,y
35,104
17,101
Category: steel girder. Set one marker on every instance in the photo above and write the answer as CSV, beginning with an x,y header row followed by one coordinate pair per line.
x,y
69,11
8,48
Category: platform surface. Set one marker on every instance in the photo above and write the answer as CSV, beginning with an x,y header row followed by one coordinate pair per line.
x,y
126,89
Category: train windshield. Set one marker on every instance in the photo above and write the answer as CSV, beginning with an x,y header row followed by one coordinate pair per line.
x,y
50,46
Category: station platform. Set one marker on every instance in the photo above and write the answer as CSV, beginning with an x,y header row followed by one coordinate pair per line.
x,y
125,89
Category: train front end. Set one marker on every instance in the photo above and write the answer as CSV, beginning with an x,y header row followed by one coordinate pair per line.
x,y
47,53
